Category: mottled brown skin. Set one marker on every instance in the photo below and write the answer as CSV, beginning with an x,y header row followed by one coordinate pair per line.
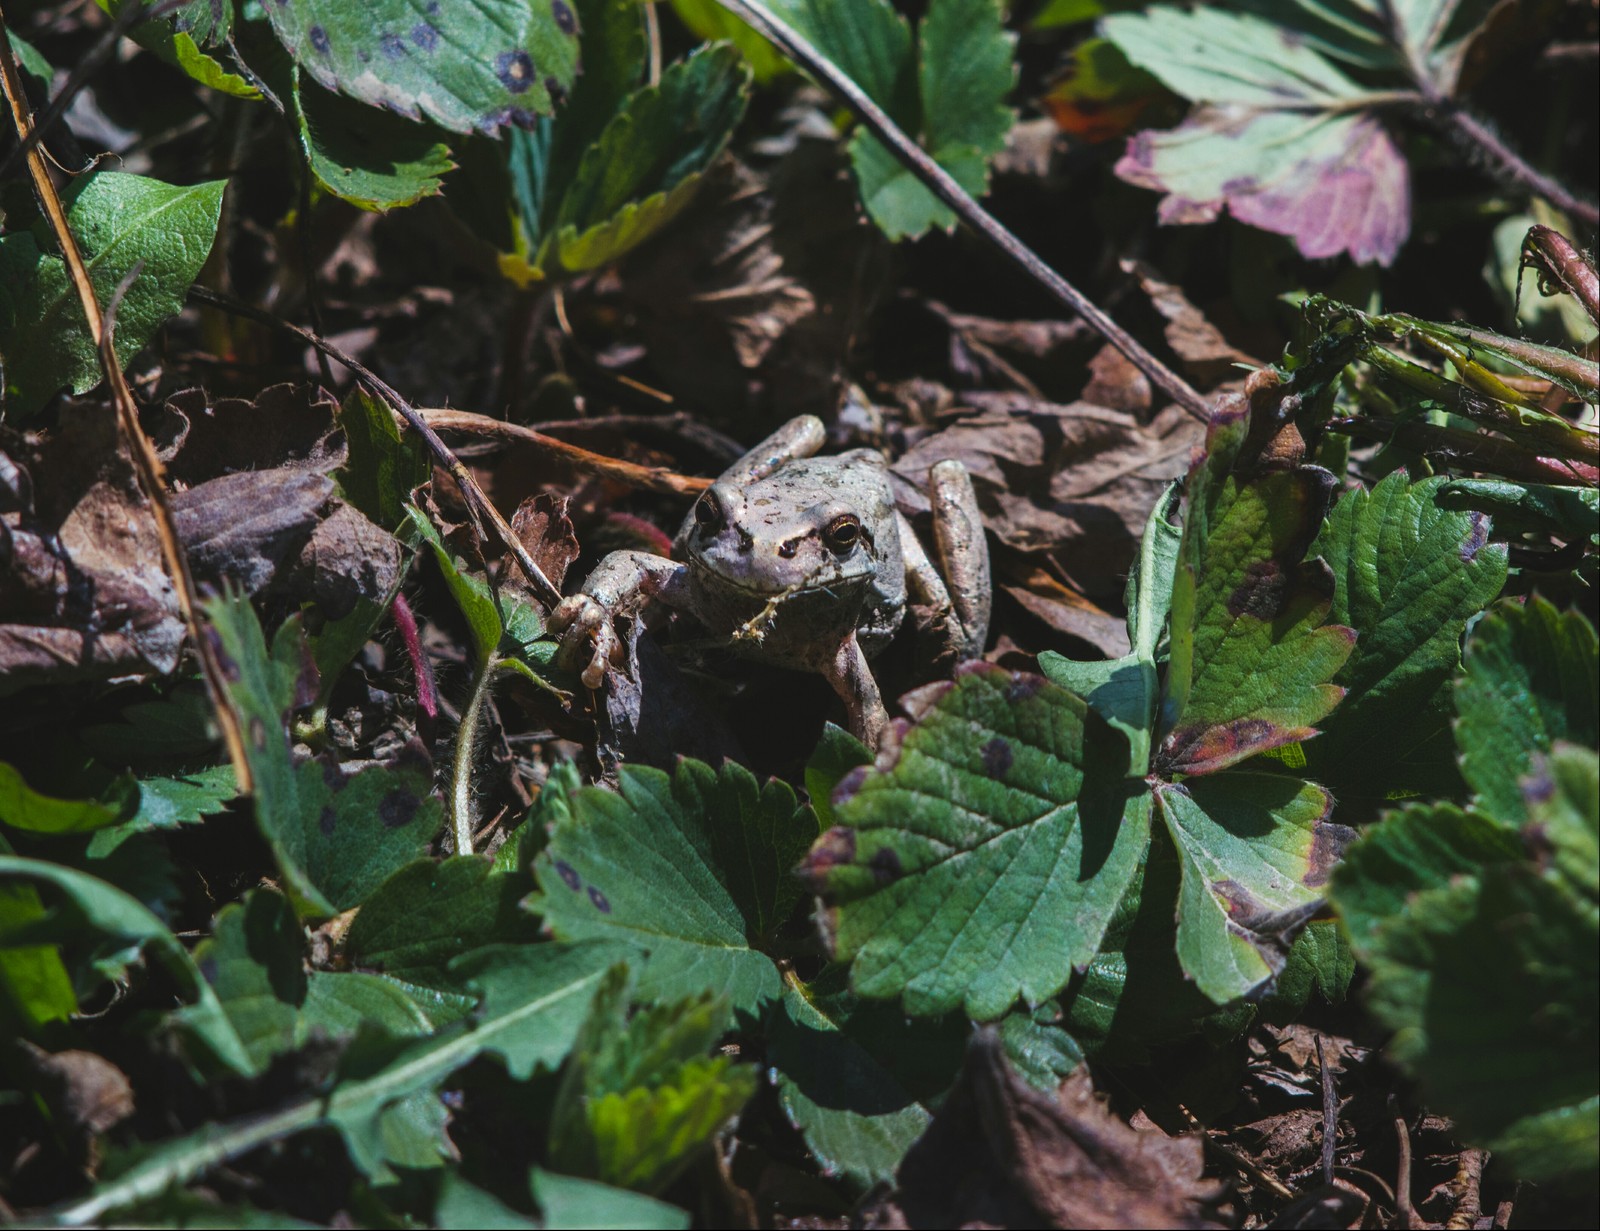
x,y
802,562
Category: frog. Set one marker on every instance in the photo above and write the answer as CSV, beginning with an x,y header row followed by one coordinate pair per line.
x,y
801,561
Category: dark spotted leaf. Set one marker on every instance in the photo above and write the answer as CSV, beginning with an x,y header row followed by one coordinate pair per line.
x,y
467,65
1256,850
335,837
1251,654
692,867
254,959
1532,678
120,221
988,857
1482,957
1408,574
366,155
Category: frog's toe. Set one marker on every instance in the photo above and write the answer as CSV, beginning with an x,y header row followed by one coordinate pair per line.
x,y
587,637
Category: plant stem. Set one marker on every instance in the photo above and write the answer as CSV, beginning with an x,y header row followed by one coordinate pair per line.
x,y
1467,127
461,816
939,182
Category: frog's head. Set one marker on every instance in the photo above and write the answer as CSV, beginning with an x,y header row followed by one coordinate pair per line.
x,y
813,537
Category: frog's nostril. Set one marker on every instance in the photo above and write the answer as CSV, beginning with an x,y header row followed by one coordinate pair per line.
x,y
788,547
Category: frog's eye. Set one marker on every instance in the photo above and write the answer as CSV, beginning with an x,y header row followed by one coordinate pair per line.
x,y
843,532
708,514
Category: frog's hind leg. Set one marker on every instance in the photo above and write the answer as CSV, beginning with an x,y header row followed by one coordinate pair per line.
x,y
851,678
797,438
960,587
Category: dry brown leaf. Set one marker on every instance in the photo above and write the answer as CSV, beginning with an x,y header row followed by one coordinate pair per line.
x,y
84,593
1001,1154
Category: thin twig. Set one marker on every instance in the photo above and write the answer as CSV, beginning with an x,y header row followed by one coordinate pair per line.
x,y
943,185
1405,1212
1457,119
1330,1114
650,478
147,466
479,507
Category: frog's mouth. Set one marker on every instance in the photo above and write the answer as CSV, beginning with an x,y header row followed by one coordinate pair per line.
x,y
758,592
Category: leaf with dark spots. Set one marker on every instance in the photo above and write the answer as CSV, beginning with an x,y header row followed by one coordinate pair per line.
x,y
1254,850
1251,655
476,65
335,837
1409,572
692,868
952,886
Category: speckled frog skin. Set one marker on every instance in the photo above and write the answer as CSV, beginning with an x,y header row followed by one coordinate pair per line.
x,y
803,562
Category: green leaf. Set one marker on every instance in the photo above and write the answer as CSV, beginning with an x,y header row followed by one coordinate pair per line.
x,y
869,42
640,1097
964,75
1251,655
21,807
837,754
1531,679
183,799
430,913
1256,850
468,65
694,868
154,734
179,38
1321,962
339,1003
570,1204
383,464
534,999
988,858
335,838
94,910
365,155
1568,512
498,622
254,961
1408,574
120,221
1434,909
647,163
836,1060
710,21
35,987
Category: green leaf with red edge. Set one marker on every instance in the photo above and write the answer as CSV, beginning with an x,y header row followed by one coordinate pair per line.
x,y
1532,678
985,857
1408,574
1255,850
1251,655
468,65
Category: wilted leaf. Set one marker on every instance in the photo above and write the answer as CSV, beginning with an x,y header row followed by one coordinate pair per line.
x,y
465,64
693,868
120,221
1255,850
987,858
1408,575
1532,678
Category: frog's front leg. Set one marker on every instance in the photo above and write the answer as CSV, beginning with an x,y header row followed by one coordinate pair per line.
x,y
620,585
964,592
851,678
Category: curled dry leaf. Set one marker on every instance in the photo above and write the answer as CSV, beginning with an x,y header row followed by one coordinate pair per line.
x,y
83,591
1001,1154
544,528
87,1095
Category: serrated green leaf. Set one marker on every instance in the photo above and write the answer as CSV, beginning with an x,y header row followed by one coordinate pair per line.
x,y
1255,850
1437,904
429,913
184,799
1568,512
468,65
180,37
640,1097
693,868
152,735
1321,962
335,838
964,73
1251,654
989,857
98,913
869,42
119,221
836,755
383,464
646,164
534,999
365,155
834,1059
338,1003
1532,677
1408,575
253,959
